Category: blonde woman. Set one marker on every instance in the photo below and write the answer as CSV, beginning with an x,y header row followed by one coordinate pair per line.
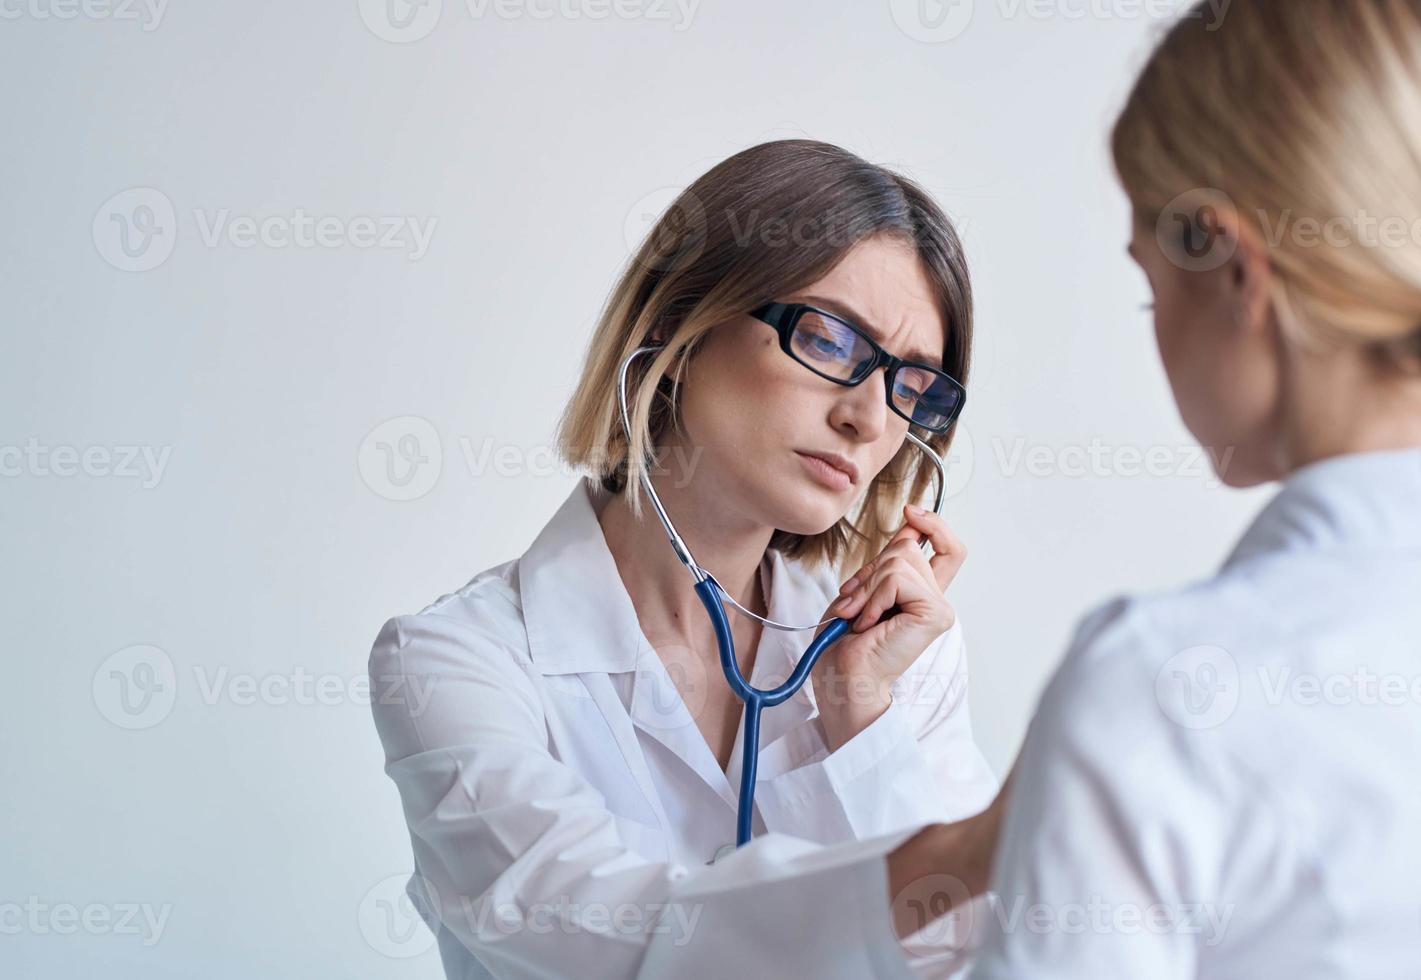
x,y
1222,781
568,776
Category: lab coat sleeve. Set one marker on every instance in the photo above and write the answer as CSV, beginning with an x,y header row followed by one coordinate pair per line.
x,y
916,763
1107,864
526,866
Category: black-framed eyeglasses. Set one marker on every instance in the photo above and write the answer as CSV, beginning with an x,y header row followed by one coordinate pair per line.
x,y
835,349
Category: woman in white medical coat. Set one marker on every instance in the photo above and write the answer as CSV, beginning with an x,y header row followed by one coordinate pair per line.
x,y
1222,781
567,771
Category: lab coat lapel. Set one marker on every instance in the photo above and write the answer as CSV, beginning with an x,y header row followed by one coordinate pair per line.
x,y
659,709
580,620
578,616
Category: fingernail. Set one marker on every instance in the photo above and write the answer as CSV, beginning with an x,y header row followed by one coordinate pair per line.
x,y
850,584
915,509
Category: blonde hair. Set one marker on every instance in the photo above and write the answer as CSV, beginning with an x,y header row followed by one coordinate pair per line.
x,y
1303,114
767,221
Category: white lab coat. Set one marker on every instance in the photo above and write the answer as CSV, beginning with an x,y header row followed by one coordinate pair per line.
x,y
1222,781
564,808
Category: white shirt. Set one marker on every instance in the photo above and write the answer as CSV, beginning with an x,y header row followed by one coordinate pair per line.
x,y
1222,781
553,779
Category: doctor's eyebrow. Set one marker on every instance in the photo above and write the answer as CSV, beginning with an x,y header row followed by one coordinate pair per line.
x,y
843,309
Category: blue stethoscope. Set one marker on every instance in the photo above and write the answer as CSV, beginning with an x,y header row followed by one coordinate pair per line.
x,y
711,593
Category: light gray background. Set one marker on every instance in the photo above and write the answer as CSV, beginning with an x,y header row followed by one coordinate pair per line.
x,y
246,802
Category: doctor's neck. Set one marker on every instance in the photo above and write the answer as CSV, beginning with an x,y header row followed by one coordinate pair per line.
x,y
724,542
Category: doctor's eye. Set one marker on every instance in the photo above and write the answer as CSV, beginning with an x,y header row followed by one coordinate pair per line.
x,y
823,340
910,385
824,345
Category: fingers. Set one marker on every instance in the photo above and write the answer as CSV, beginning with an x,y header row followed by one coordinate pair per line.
x,y
884,595
895,581
949,551
897,545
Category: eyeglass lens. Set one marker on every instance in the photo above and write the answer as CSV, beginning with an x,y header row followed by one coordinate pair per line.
x,y
833,349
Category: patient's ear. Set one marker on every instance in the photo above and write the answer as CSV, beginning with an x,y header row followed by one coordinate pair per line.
x,y
1248,274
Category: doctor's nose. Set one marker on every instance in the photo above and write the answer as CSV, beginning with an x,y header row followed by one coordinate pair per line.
x,y
862,411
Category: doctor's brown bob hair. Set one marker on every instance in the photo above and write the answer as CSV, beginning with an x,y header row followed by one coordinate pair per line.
x,y
767,221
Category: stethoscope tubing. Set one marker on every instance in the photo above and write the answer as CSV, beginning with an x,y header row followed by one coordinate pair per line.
x,y
756,698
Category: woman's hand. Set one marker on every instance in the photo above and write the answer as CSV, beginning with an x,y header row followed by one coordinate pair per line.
x,y
852,680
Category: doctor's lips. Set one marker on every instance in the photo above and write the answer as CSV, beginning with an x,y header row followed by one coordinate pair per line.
x,y
831,468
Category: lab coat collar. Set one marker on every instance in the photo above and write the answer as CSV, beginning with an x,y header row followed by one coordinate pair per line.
x,y
580,618
1357,501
